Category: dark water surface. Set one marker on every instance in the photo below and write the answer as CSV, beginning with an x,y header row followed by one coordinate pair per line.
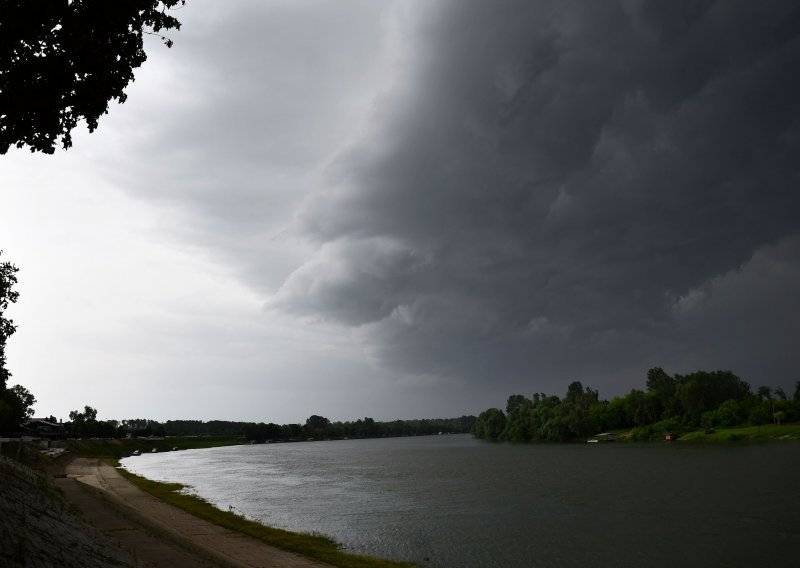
x,y
453,501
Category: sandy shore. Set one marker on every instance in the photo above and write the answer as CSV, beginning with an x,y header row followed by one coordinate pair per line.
x,y
158,534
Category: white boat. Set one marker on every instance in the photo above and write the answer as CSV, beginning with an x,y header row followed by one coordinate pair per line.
x,y
604,437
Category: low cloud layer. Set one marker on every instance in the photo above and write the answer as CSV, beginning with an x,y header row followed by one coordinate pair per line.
x,y
557,185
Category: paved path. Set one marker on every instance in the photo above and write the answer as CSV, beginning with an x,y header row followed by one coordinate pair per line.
x,y
159,534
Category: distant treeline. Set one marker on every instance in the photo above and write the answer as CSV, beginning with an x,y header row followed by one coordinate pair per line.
x,y
675,404
320,428
85,424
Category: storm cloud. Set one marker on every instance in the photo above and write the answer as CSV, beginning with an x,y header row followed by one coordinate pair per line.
x,y
411,209
555,186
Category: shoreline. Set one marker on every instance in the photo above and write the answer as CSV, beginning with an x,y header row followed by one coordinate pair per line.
x,y
171,524
193,524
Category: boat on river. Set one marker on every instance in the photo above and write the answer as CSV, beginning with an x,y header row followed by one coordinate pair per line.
x,y
601,438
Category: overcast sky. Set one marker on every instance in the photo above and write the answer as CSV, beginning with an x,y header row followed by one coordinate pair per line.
x,y
405,209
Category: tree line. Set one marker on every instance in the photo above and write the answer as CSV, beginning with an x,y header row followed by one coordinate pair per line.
x,y
320,428
84,424
669,404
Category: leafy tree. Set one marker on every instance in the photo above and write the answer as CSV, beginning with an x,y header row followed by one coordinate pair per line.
x,y
8,278
704,391
518,419
317,426
641,408
730,413
26,401
490,424
88,414
662,388
84,423
543,413
759,415
573,413
262,432
16,407
13,409
317,422
366,428
616,415
62,61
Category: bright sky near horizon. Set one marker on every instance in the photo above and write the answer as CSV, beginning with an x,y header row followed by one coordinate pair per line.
x,y
408,209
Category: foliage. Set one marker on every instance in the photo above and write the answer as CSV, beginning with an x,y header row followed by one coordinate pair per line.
x,y
491,424
543,418
8,278
749,433
16,402
61,62
16,406
85,425
116,448
671,404
320,428
657,431
26,401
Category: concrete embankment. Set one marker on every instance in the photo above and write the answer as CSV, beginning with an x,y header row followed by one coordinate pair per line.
x,y
40,528
85,514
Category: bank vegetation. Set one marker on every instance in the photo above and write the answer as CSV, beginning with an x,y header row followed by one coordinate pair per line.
x,y
695,405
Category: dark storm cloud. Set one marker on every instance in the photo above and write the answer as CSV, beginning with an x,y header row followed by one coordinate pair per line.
x,y
245,107
555,184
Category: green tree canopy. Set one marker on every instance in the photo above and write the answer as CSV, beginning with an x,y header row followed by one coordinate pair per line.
x,y
8,278
62,61
490,424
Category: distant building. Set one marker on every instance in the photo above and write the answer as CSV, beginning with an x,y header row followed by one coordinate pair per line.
x,y
43,428
670,437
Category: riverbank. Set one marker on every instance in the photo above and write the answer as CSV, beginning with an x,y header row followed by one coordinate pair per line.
x,y
314,546
206,542
39,527
117,448
764,433
130,521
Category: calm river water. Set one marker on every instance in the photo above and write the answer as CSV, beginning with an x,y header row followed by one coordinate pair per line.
x,y
453,501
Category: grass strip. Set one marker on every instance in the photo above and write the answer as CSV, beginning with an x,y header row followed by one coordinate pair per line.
x,y
116,448
746,434
313,546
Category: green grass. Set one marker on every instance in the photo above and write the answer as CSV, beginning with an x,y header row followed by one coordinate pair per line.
x,y
313,546
120,448
746,433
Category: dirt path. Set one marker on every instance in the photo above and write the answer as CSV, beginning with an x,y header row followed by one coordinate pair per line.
x,y
158,534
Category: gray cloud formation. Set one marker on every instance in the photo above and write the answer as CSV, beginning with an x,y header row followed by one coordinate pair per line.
x,y
570,188
232,124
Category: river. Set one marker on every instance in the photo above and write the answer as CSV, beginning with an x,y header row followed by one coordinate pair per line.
x,y
456,502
